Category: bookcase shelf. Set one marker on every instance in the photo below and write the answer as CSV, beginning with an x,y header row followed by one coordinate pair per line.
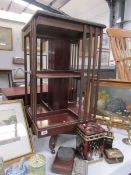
x,y
57,74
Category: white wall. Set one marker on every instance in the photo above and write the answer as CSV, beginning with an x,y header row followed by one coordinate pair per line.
x,y
6,56
127,16
94,10
17,44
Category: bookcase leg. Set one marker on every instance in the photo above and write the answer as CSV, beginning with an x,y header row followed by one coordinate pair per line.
x,y
52,143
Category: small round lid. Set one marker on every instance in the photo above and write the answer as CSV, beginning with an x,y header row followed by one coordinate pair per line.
x,y
37,161
66,153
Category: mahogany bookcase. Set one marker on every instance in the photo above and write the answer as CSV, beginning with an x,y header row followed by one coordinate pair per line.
x,y
64,69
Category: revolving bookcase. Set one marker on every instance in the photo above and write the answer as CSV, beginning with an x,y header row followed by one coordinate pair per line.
x,y
51,51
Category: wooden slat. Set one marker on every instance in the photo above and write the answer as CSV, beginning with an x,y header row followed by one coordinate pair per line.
x,y
121,49
33,68
25,67
87,95
92,106
82,73
41,64
112,32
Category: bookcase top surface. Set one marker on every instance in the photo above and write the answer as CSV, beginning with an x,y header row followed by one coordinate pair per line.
x,y
64,18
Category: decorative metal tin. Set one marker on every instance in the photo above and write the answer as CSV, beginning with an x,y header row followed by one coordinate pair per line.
x,y
91,140
113,155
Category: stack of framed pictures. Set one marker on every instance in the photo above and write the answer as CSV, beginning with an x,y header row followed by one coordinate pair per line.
x,y
105,55
15,141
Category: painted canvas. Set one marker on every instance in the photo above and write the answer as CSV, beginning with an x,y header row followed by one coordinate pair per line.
x,y
114,100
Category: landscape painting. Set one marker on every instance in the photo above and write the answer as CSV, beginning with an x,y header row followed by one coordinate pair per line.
x,y
8,126
114,100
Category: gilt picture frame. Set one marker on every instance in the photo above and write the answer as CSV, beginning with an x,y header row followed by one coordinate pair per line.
x,y
6,38
14,132
114,103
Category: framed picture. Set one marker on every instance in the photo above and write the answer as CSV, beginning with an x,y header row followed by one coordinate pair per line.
x,y
15,141
114,103
105,41
5,38
105,57
18,60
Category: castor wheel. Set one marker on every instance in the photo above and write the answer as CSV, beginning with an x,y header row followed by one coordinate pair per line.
x,y
52,143
53,151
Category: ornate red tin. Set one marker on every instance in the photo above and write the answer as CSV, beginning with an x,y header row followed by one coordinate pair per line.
x,y
90,141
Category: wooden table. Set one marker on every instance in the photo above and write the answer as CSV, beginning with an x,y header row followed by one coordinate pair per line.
x,y
19,92
8,72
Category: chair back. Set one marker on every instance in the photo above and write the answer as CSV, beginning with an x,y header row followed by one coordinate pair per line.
x,y
120,40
